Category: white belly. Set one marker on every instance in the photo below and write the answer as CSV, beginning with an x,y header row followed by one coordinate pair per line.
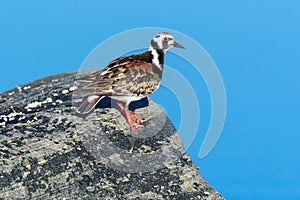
x,y
127,99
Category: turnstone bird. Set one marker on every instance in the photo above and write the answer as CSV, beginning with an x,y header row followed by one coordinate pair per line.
x,y
128,78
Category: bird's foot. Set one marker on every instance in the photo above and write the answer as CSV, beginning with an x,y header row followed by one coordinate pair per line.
x,y
132,122
134,126
134,117
131,118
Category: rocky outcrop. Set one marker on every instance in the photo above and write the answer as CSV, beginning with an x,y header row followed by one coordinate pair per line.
x,y
48,152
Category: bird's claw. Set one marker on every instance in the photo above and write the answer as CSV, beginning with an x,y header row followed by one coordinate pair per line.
x,y
132,122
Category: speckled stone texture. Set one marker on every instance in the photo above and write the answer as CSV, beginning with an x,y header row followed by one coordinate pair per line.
x,y
49,152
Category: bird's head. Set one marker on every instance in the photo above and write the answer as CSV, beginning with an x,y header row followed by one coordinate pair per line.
x,y
164,41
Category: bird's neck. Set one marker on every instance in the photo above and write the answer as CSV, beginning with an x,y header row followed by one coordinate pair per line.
x,y
157,57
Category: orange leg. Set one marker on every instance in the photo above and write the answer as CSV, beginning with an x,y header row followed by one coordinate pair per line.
x,y
131,118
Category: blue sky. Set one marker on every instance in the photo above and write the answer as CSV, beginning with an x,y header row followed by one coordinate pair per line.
x,y
255,45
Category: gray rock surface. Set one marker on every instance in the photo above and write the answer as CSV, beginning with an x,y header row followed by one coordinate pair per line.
x,y
48,152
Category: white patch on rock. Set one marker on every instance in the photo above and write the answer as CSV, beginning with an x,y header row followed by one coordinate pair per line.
x,y
11,93
73,88
59,101
27,87
55,80
2,124
12,116
38,104
19,88
3,117
21,118
65,91
48,100
33,105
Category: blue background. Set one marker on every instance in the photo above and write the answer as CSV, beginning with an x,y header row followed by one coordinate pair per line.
x,y
255,45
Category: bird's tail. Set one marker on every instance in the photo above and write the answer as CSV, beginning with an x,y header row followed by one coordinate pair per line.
x,y
88,104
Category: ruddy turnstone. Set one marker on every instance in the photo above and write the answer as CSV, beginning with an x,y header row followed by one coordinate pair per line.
x,y
128,78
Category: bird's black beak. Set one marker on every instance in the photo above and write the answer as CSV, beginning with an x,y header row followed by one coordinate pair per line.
x,y
177,45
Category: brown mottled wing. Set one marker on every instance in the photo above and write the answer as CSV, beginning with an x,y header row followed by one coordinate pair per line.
x,y
123,77
92,77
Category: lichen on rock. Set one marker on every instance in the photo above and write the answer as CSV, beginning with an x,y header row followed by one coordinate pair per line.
x,y
48,152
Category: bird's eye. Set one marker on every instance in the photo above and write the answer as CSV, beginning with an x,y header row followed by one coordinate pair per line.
x,y
165,39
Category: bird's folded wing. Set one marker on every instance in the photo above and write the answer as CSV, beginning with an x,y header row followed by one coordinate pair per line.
x,y
121,77
113,65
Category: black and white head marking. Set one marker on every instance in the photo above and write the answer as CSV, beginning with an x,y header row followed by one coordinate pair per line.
x,y
163,41
159,45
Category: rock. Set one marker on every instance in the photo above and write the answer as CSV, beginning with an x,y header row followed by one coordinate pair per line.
x,y
48,152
